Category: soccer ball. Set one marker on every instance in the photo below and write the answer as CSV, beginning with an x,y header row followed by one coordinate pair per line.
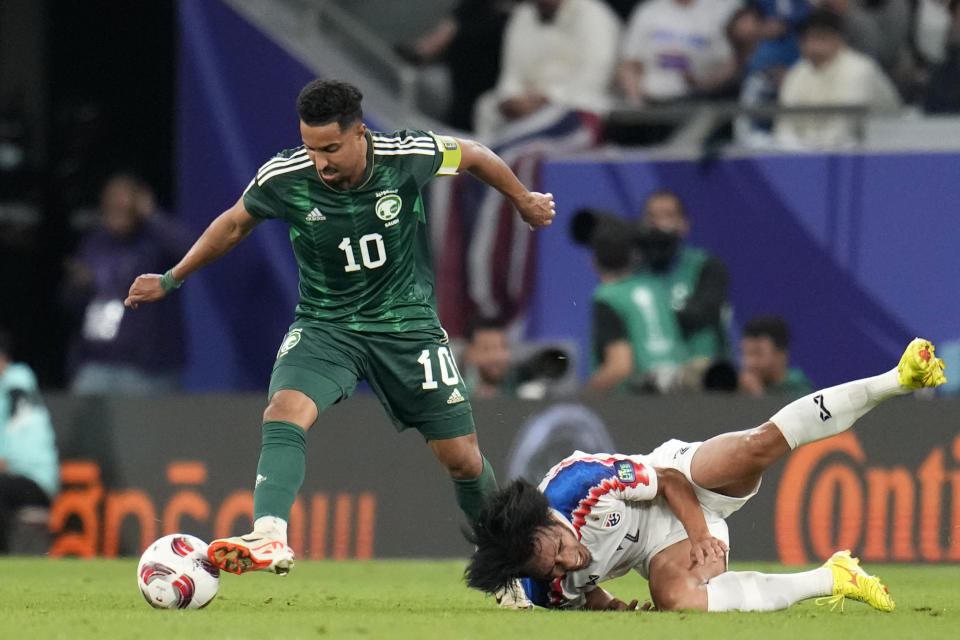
x,y
174,573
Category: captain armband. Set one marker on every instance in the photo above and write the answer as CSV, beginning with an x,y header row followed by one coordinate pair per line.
x,y
450,148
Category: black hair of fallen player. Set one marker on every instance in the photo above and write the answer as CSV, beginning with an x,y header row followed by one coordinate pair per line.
x,y
322,102
505,536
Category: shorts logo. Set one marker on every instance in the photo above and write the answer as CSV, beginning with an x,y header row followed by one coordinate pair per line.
x,y
291,340
625,472
388,207
613,519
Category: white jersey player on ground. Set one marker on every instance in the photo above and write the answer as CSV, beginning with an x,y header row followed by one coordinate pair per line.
x,y
597,516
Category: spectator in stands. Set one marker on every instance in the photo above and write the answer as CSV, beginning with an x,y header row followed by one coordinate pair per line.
x,y
943,94
776,52
29,472
765,358
109,353
676,49
830,73
487,360
877,28
469,41
556,53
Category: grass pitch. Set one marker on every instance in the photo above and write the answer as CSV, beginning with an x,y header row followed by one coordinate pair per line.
x,y
78,599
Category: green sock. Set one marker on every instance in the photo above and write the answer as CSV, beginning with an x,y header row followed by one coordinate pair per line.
x,y
472,492
280,470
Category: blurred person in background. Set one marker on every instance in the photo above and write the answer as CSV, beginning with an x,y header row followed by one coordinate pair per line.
x,y
560,53
659,314
697,282
114,351
830,73
943,92
765,357
469,41
877,28
487,358
29,471
626,343
676,49
777,50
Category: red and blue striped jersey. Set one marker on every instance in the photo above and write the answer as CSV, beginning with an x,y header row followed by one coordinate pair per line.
x,y
606,499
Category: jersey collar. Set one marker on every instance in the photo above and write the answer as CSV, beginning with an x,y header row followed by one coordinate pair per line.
x,y
367,174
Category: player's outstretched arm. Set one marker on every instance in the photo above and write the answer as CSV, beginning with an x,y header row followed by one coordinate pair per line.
x,y
678,491
224,233
536,209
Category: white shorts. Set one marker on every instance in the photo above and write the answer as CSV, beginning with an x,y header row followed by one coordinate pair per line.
x,y
666,529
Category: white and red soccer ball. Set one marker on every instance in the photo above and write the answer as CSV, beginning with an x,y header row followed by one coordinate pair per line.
x,y
174,573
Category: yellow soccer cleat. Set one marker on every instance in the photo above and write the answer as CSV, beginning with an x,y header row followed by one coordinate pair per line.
x,y
919,367
850,581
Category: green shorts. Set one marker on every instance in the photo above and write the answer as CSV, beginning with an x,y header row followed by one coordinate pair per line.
x,y
413,374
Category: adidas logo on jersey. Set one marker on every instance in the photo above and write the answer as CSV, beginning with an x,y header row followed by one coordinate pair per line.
x,y
455,397
315,216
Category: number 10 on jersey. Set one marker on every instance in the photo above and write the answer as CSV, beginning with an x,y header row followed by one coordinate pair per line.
x,y
448,368
368,244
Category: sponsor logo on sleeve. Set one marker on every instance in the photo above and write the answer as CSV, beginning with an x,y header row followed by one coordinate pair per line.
x,y
625,472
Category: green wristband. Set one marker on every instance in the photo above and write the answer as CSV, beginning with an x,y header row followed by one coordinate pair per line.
x,y
168,283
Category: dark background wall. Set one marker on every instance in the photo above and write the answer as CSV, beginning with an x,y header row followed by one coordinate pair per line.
x,y
86,89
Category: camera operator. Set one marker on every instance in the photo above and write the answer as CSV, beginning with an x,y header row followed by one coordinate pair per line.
x,y
698,282
658,314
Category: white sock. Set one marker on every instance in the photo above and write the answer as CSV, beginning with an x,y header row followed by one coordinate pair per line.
x,y
754,591
272,527
831,411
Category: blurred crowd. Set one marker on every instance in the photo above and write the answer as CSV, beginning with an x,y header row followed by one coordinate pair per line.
x,y
510,59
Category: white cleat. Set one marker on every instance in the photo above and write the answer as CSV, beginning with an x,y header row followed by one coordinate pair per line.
x,y
252,552
513,597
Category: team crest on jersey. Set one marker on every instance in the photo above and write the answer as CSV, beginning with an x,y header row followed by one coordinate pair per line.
x,y
291,340
612,520
625,472
388,207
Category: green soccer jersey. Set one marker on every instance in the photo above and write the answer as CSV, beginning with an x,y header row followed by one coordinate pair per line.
x,y
363,254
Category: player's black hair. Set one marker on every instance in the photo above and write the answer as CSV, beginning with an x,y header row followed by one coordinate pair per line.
x,y
324,101
822,20
773,327
505,536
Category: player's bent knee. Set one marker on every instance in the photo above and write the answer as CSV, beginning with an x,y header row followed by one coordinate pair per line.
x,y
761,446
679,599
289,405
460,456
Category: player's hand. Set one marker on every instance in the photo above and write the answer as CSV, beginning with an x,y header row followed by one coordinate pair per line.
x,y
537,209
146,288
620,605
705,549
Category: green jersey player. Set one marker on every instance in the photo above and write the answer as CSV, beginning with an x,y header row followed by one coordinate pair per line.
x,y
352,199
